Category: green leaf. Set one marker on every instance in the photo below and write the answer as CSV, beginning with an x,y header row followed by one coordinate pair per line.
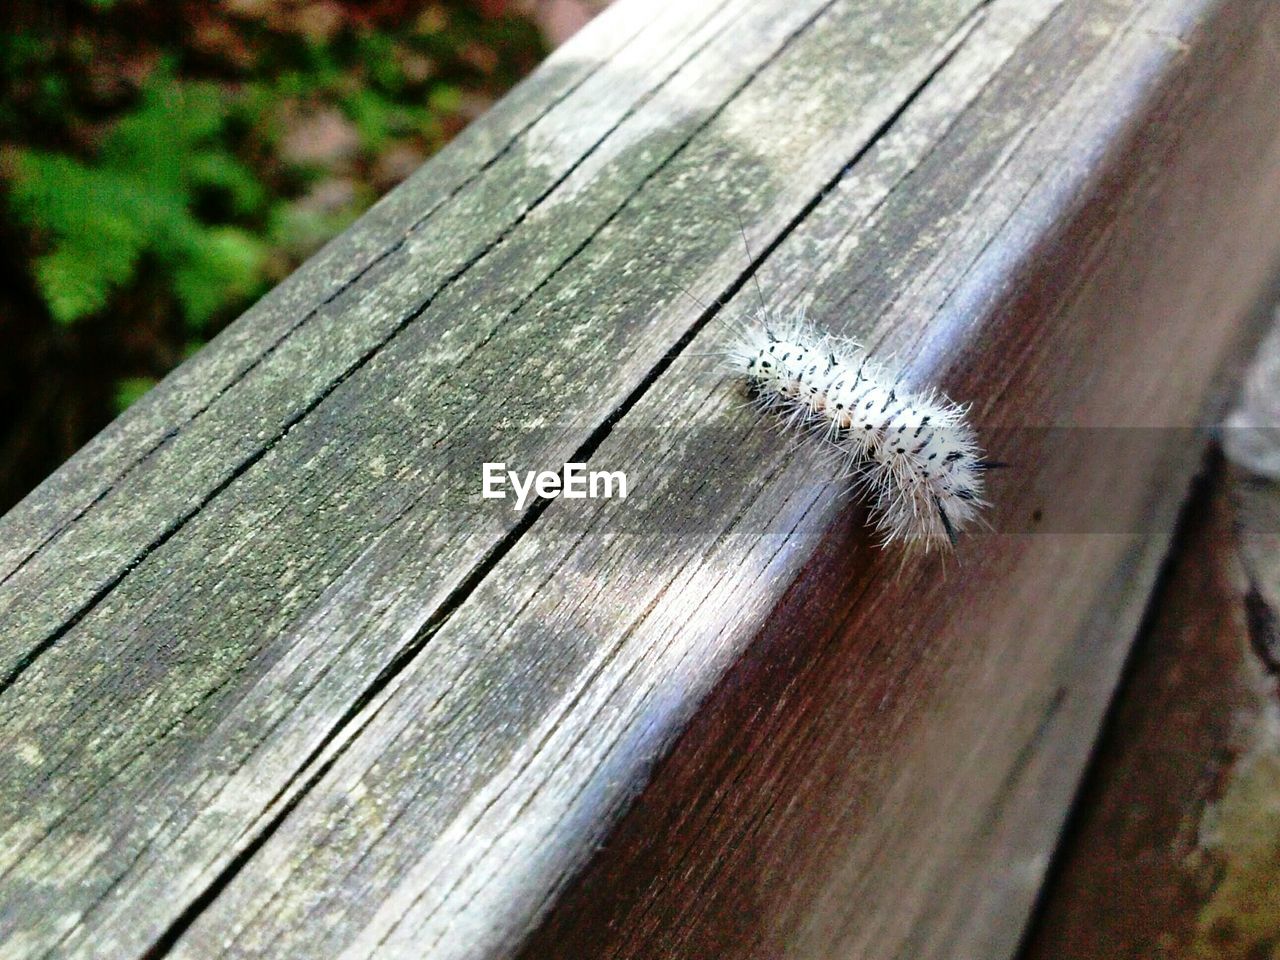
x,y
96,222
374,116
224,266
444,98
377,52
129,390
72,287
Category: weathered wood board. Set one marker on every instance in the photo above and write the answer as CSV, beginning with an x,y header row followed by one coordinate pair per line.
x,y
1173,852
279,682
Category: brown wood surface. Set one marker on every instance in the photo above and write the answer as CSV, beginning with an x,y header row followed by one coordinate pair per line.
x,y
279,684
1175,850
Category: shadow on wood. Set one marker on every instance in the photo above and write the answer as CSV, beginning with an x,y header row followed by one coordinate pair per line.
x,y
280,683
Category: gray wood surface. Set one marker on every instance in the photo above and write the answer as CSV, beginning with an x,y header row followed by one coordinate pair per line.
x,y
279,683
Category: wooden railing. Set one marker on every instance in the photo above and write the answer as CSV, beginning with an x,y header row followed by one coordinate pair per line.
x,y
278,681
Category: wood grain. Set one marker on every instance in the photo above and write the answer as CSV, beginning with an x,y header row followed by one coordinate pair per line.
x,y
1173,849
1172,852
222,613
883,774
283,685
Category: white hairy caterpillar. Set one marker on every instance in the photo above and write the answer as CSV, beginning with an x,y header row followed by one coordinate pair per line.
x,y
911,454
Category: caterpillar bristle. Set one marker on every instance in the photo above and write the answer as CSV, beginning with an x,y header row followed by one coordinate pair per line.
x,y
946,522
910,454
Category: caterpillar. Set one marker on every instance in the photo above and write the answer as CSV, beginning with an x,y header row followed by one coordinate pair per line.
x,y
911,454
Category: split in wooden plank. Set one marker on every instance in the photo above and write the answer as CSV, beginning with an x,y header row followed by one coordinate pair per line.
x,y
454,674
484,775
152,736
181,466
186,395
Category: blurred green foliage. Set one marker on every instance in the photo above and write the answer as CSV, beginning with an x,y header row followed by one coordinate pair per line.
x,y
137,198
165,162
